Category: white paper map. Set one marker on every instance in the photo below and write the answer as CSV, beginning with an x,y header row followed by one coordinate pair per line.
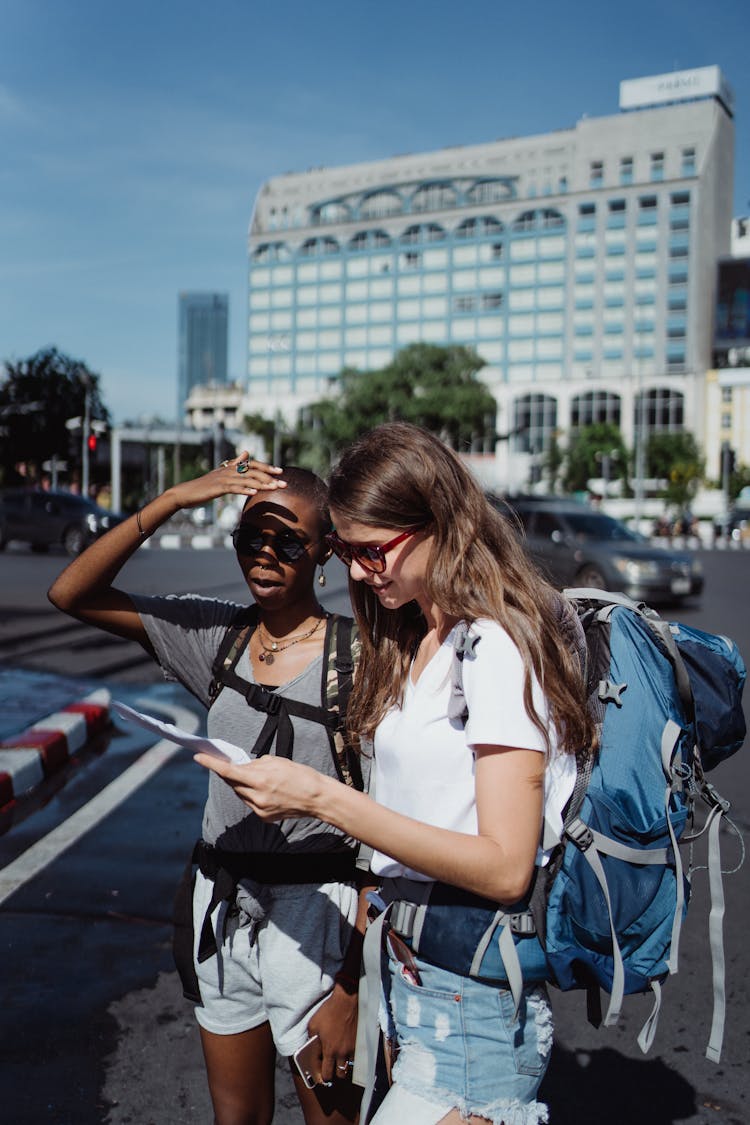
x,y
195,742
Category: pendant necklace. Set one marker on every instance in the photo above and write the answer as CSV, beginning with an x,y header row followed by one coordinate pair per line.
x,y
270,651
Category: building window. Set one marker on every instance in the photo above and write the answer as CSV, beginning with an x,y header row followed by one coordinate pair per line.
x,y
380,204
535,420
680,198
726,394
271,252
626,170
497,251
664,410
492,301
726,421
491,191
595,407
475,228
427,232
433,197
333,212
657,166
596,173
315,246
688,161
464,304
530,221
369,238
411,260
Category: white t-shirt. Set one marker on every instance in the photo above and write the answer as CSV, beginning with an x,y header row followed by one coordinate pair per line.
x,y
424,761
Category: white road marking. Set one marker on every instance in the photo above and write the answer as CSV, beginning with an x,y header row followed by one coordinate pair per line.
x,y
20,870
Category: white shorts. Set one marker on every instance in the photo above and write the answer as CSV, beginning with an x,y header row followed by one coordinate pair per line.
x,y
280,970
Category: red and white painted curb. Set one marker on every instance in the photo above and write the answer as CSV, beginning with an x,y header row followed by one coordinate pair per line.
x,y
27,758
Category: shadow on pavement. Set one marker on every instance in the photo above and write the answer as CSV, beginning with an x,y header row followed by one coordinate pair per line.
x,y
591,1087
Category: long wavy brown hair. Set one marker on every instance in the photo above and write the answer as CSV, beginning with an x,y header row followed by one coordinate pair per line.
x,y
401,476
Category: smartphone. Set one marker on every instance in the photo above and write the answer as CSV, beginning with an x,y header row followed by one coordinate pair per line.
x,y
307,1061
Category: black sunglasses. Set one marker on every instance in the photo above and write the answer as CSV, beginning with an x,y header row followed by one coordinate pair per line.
x,y
287,546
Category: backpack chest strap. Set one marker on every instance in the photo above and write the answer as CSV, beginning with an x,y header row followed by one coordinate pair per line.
x,y
278,711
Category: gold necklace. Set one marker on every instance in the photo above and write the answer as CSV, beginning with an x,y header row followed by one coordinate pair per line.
x,y
269,652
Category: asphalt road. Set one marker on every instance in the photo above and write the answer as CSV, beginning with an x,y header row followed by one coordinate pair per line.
x,y
92,1025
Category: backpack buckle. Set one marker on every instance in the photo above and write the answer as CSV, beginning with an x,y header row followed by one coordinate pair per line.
x,y
522,924
580,834
267,701
715,798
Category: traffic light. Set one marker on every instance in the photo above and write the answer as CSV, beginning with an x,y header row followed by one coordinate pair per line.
x,y
91,442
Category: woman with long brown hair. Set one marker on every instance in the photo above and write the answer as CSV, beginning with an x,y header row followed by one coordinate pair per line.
x,y
465,773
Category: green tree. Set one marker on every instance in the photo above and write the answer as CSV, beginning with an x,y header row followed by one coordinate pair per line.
x,y
675,458
429,385
37,396
587,450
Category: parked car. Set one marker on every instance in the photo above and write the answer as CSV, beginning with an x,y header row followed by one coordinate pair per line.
x,y
47,519
576,546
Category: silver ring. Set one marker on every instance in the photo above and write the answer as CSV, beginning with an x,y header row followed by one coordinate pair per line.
x,y
223,464
243,467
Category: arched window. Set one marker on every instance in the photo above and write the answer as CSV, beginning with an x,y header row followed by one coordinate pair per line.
x,y
664,410
335,211
315,246
535,419
271,252
365,239
540,220
483,227
381,203
491,191
423,232
594,407
433,197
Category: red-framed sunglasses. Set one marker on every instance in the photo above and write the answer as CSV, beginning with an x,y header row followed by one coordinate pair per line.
x,y
368,556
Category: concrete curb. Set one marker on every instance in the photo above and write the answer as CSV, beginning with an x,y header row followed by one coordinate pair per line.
x,y
196,540
27,758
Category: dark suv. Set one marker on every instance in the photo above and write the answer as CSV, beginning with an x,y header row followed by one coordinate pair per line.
x,y
576,546
46,519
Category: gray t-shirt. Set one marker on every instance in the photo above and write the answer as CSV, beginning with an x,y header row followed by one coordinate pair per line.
x,y
186,632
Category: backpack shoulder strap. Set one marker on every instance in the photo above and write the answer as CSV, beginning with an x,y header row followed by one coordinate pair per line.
x,y
232,645
340,658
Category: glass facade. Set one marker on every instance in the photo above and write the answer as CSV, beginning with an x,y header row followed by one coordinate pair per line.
x,y
203,326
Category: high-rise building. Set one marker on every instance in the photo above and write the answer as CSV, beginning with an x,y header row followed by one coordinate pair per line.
x,y
580,264
203,325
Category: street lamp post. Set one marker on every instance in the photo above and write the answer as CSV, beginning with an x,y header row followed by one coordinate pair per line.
x,y
640,443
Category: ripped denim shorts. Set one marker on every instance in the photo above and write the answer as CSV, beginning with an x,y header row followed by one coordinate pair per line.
x,y
460,1047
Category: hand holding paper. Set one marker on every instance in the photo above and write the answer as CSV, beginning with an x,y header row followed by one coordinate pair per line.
x,y
196,743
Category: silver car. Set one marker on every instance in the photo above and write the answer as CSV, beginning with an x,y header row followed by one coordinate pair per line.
x,y
575,546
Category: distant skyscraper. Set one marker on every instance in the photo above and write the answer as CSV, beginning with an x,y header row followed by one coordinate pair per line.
x,y
202,342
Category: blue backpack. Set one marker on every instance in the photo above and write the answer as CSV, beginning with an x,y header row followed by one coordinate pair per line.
x,y
606,912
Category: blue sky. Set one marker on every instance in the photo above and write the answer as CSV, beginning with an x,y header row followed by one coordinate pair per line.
x,y
135,136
